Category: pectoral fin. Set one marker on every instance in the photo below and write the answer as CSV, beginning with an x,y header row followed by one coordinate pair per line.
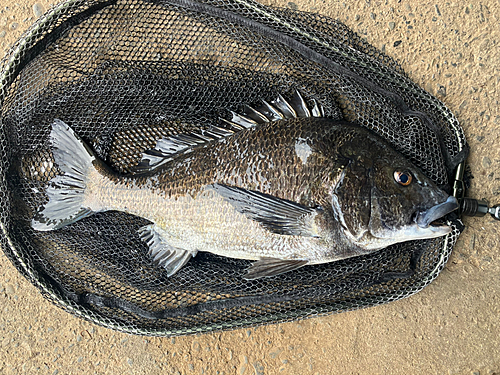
x,y
271,267
169,257
278,215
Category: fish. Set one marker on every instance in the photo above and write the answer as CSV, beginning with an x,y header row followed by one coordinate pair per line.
x,y
281,184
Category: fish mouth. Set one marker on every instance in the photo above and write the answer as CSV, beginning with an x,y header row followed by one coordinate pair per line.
x,y
424,225
432,216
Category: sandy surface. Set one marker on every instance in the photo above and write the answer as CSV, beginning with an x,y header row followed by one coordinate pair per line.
x,y
451,327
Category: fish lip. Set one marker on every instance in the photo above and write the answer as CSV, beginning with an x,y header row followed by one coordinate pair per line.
x,y
425,218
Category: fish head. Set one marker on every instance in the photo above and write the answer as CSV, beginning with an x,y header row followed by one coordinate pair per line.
x,y
381,198
405,203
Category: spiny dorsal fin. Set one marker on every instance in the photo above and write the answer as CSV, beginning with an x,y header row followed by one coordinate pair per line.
x,y
284,107
278,215
300,106
278,109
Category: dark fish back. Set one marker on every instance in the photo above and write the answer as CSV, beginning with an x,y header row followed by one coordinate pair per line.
x,y
264,159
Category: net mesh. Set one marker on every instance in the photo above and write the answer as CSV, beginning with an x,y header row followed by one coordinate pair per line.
x,y
124,74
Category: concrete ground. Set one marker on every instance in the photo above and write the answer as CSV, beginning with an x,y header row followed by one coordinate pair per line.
x,y
453,50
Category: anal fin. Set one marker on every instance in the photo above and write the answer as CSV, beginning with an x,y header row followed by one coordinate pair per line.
x,y
169,257
267,267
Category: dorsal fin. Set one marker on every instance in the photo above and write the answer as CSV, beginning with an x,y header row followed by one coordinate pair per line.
x,y
167,148
285,107
280,108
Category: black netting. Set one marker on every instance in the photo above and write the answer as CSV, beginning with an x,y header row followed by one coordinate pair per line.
x,y
124,74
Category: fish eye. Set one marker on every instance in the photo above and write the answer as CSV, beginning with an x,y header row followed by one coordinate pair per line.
x,y
403,177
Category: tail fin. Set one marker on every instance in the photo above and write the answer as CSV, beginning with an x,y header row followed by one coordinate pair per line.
x,y
66,191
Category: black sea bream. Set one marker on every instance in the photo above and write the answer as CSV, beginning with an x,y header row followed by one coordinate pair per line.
x,y
291,188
